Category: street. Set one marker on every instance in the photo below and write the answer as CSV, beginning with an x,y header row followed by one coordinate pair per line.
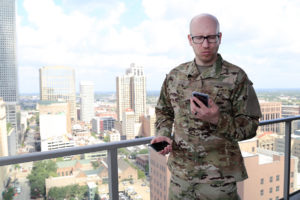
x,y
25,190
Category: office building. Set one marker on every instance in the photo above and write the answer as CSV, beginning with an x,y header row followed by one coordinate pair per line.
x,y
114,135
56,107
87,111
271,110
159,176
131,92
100,124
128,124
57,83
265,169
3,145
295,145
290,111
148,124
8,60
58,136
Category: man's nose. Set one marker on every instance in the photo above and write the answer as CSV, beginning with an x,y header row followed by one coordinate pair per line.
x,y
205,43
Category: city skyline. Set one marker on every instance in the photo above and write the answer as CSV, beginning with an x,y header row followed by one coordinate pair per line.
x,y
99,39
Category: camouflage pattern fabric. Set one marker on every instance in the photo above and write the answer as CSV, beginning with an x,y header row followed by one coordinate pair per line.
x,y
182,190
204,152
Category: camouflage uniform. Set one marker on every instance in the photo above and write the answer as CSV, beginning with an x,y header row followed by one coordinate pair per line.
x,y
204,153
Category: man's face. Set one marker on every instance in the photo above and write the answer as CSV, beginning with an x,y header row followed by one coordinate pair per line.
x,y
206,52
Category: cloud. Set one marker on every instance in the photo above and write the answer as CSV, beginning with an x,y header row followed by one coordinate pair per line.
x,y
260,36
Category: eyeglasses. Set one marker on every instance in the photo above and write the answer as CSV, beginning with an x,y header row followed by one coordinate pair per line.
x,y
199,39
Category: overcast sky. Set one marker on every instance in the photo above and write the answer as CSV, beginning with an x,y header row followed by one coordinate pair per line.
x,y
99,39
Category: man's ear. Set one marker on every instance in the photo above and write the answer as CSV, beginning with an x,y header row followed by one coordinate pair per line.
x,y
220,38
190,39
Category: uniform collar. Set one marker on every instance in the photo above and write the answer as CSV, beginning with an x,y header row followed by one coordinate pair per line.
x,y
213,71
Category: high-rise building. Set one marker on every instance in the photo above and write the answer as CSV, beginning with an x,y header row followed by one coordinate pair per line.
x,y
8,61
159,175
58,83
131,92
101,124
271,110
128,124
55,137
148,124
265,169
3,145
56,107
290,111
87,111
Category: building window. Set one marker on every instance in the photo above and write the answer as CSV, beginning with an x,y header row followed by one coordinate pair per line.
x,y
277,188
277,198
292,174
271,179
277,178
261,192
271,199
271,190
292,185
261,181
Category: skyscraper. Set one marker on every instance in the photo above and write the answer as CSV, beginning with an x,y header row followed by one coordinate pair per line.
x,y
58,83
8,63
131,92
86,101
3,145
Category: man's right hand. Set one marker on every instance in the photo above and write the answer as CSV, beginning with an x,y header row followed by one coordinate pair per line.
x,y
168,148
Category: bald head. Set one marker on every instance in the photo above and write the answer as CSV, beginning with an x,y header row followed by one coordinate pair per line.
x,y
204,20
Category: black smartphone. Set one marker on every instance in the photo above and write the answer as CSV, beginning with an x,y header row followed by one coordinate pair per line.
x,y
158,146
202,97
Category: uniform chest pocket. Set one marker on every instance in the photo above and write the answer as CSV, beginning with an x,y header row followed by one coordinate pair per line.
x,y
223,99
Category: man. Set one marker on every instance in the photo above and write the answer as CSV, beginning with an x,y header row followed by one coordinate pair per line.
x,y
205,160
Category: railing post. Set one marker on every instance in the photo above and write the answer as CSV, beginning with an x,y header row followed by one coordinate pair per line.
x,y
287,159
112,159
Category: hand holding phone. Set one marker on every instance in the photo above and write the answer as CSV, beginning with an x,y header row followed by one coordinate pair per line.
x,y
158,146
202,97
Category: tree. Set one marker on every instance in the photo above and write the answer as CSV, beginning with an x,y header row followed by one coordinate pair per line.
x,y
141,174
40,171
95,164
68,192
144,151
9,194
106,139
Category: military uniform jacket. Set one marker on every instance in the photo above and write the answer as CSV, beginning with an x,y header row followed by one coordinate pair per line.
x,y
204,152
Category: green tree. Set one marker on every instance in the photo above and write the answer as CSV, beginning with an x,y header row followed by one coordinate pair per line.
x,y
106,139
9,194
40,171
141,174
95,164
144,151
68,192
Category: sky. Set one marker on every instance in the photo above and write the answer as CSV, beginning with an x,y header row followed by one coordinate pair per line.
x,y
100,39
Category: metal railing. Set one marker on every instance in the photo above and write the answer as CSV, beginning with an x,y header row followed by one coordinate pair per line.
x,y
112,149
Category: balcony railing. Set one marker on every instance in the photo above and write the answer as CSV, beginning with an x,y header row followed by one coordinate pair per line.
x,y
112,149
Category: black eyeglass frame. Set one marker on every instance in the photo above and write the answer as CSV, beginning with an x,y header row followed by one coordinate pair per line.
x,y
205,38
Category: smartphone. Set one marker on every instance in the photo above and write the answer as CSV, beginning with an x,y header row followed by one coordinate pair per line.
x,y
202,97
159,145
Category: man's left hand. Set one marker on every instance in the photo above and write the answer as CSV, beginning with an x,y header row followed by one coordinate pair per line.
x,y
209,114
